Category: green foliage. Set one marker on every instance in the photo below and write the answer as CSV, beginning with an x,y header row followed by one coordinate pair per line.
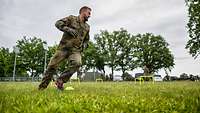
x,y
32,55
115,50
125,46
109,97
127,77
193,27
119,50
6,62
90,56
153,52
107,47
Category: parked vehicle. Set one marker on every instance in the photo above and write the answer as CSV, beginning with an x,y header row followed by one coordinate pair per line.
x,y
117,78
157,78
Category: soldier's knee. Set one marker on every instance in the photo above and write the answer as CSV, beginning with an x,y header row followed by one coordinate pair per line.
x,y
75,63
75,60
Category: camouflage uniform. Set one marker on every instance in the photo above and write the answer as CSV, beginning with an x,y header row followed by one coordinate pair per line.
x,y
70,48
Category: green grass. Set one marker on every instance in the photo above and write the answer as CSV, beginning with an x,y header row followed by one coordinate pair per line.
x,y
107,97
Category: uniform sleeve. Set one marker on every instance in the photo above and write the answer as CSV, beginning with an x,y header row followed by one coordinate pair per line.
x,y
87,38
63,24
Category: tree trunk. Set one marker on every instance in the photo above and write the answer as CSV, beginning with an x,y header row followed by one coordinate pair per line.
x,y
31,72
111,76
104,72
123,72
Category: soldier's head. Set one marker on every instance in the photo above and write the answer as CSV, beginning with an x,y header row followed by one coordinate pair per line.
x,y
85,12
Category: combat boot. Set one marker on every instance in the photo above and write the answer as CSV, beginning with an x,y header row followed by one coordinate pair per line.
x,y
64,77
45,82
46,79
59,84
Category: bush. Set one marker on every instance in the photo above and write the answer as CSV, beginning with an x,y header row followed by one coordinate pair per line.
x,y
127,77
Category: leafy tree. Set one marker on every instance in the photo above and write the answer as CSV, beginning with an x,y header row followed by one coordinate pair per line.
x,y
193,27
88,58
32,55
184,76
92,58
107,47
125,54
6,65
127,77
50,52
152,52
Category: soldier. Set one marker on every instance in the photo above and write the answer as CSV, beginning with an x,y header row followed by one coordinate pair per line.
x,y
75,38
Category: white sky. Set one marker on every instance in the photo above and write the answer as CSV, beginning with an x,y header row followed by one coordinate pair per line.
x,y
164,17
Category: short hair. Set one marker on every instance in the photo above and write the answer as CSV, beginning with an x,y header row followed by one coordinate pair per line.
x,y
84,8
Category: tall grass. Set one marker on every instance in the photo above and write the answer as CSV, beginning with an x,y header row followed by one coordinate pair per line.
x,y
107,97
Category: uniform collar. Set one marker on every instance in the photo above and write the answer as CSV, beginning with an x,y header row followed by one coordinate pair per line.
x,y
78,18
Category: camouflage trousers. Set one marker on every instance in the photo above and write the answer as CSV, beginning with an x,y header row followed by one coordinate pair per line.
x,y
74,61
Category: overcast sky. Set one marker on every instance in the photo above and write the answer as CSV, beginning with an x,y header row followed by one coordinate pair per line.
x,y
168,18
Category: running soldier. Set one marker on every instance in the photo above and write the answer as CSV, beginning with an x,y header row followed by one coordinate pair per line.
x,y
75,38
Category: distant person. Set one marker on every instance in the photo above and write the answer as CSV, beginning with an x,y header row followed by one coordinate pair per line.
x,y
75,38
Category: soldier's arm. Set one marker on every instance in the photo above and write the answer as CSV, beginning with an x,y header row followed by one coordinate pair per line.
x,y
63,25
86,40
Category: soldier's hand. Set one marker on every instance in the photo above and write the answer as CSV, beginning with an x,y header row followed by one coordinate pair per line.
x,y
73,32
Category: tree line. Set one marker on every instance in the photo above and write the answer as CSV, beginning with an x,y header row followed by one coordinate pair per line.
x,y
193,26
119,50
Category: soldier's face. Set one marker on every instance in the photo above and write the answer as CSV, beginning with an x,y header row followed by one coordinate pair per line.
x,y
87,14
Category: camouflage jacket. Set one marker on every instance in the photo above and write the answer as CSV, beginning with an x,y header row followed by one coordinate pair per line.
x,y
68,41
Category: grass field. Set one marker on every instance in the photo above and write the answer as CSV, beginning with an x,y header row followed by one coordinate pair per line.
x,y
107,97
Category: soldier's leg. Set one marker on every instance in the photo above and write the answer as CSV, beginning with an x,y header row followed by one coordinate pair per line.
x,y
51,69
74,63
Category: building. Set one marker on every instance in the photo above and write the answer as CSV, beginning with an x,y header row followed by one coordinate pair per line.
x,y
90,76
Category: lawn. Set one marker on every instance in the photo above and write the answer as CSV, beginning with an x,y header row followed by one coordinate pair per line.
x,y
107,97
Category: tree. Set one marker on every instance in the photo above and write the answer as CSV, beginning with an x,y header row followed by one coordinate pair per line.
x,y
92,58
88,59
6,66
125,54
184,76
193,27
167,77
127,77
152,52
107,47
32,55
